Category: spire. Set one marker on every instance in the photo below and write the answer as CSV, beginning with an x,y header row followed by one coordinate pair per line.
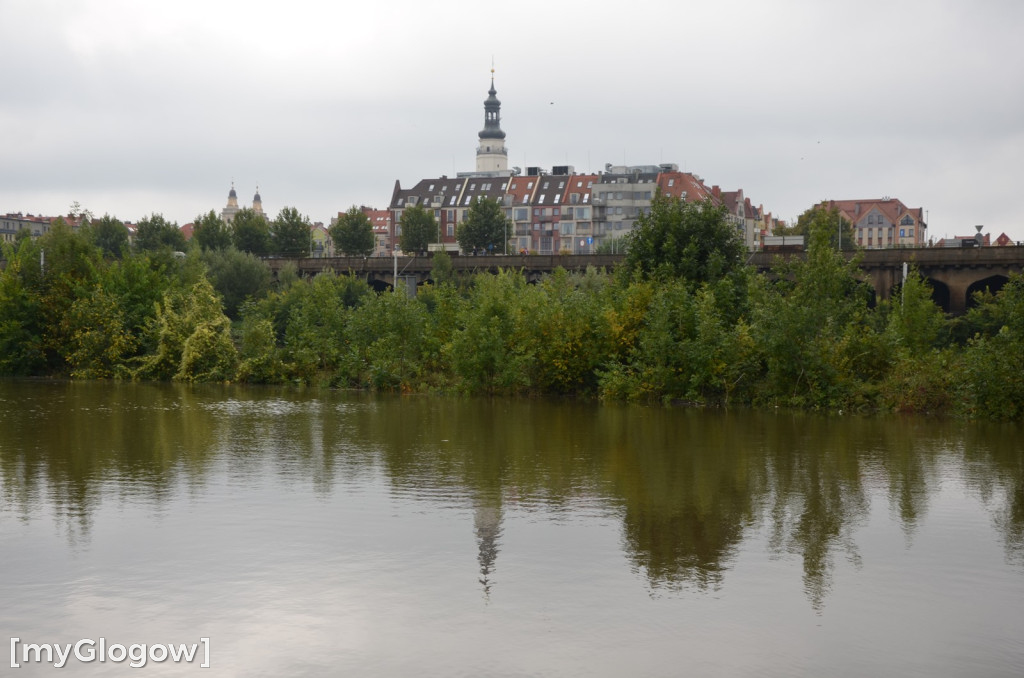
x,y
492,114
491,155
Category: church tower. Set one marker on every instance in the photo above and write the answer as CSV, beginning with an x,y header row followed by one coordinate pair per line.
x,y
231,209
257,203
492,155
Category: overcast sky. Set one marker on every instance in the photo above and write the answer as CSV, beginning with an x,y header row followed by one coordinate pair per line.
x,y
132,107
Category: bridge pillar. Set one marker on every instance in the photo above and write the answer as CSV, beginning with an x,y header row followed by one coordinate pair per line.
x,y
957,281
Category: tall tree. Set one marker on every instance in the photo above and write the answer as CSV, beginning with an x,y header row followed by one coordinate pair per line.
x,y
690,240
251,232
156,233
419,228
109,234
353,233
211,233
486,227
290,233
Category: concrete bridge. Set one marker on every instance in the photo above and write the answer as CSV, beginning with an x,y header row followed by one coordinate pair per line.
x,y
955,273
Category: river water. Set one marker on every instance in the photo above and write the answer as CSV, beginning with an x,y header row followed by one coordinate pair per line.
x,y
312,533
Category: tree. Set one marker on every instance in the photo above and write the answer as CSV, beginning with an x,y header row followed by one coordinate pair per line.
x,y
156,233
236,276
826,217
679,239
251,232
353,233
418,229
289,233
486,227
109,234
211,233
191,337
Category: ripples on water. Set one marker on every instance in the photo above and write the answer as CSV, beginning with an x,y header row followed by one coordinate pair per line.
x,y
335,534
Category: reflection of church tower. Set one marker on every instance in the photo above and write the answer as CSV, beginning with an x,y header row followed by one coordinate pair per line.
x,y
231,209
257,202
492,156
487,526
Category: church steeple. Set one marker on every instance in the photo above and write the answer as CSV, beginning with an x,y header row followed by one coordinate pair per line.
x,y
231,209
492,156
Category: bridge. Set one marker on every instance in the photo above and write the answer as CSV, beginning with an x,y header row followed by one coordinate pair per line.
x,y
954,273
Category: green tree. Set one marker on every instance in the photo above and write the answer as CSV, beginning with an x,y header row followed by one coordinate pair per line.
x,y
419,228
191,337
441,269
916,324
109,234
820,214
156,233
211,233
810,323
992,382
251,232
353,233
290,233
679,239
237,276
21,316
485,228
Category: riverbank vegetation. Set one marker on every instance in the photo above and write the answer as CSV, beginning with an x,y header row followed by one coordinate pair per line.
x,y
683,320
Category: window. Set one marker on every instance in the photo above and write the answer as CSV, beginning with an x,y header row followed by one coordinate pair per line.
x,y
902,235
555,211
451,230
579,184
647,195
545,186
618,195
529,185
558,197
536,211
910,233
671,182
541,201
452,201
907,221
431,187
871,218
472,187
522,214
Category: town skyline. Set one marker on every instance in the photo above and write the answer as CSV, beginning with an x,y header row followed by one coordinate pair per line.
x,y
132,110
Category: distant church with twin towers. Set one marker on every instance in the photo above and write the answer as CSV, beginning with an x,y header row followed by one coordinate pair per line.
x,y
232,208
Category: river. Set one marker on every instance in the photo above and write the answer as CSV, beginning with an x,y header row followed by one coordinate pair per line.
x,y
316,533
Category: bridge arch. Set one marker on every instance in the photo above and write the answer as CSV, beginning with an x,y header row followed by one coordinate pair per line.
x,y
940,294
992,284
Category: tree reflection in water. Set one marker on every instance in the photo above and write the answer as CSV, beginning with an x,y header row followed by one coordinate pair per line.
x,y
688,485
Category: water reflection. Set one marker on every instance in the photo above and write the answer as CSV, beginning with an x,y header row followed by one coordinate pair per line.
x,y
688,487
